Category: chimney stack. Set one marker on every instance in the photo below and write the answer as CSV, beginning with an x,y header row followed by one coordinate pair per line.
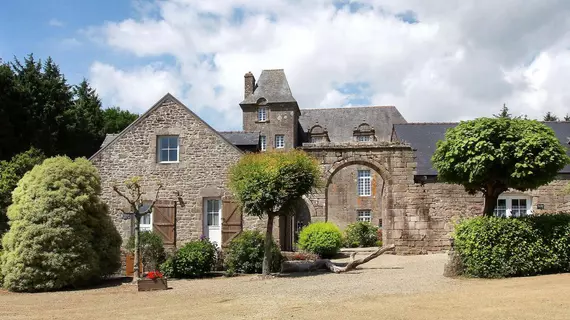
x,y
249,84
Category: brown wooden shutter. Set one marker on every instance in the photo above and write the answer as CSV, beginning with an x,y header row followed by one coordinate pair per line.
x,y
164,221
231,221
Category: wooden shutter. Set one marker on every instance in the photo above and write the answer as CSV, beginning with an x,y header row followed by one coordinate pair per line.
x,y
164,221
231,221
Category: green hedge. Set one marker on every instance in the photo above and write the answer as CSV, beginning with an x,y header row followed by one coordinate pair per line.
x,y
322,238
245,254
151,249
492,247
195,259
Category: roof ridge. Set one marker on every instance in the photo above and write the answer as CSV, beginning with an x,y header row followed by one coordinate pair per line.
x,y
351,107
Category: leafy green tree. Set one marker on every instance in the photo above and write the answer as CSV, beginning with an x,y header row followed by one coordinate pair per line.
x,y
550,117
10,173
491,155
269,184
61,234
116,119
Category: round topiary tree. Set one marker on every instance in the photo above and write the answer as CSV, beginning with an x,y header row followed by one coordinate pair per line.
x,y
322,238
60,232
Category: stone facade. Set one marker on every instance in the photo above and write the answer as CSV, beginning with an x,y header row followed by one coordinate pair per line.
x,y
204,160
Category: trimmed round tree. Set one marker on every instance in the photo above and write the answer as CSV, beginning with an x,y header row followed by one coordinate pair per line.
x,y
492,155
269,184
60,232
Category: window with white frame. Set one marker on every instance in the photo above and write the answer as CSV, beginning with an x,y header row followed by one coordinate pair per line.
x,y
168,148
364,138
364,183
262,114
513,206
279,141
213,212
364,215
146,220
263,143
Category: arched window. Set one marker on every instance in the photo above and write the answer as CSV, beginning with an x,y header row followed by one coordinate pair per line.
x,y
318,134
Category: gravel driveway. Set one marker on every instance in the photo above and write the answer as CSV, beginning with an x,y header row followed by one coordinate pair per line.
x,y
389,287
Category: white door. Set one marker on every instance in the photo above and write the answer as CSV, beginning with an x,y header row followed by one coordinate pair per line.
x,y
213,220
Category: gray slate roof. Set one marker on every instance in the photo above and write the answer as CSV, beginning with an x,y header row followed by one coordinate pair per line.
x,y
241,138
423,138
273,86
341,122
108,138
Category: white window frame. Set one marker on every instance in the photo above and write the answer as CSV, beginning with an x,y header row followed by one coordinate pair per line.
x,y
364,215
364,183
263,143
279,141
159,148
219,212
509,205
262,114
146,226
363,138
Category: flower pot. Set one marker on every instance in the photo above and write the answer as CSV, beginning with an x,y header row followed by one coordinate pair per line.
x,y
152,284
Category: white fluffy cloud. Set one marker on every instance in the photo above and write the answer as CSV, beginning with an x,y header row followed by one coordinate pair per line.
x,y
457,60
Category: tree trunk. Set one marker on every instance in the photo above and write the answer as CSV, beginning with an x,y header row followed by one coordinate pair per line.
x,y
490,204
137,272
328,265
268,244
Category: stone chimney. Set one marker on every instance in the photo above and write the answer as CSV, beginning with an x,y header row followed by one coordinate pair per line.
x,y
249,84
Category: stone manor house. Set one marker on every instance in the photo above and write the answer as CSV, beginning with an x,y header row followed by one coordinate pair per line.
x,y
376,167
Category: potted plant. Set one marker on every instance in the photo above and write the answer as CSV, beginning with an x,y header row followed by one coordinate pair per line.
x,y
153,280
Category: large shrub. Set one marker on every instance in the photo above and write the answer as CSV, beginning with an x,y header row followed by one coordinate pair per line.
x,y
151,249
61,234
322,238
195,259
498,247
361,234
245,254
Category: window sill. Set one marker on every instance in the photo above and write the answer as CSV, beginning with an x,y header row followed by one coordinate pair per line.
x,y
168,162
257,121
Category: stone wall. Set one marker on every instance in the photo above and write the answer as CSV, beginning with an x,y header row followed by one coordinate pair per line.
x,y
417,218
204,160
282,119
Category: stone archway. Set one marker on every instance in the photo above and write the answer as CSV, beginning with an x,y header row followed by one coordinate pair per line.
x,y
290,226
352,161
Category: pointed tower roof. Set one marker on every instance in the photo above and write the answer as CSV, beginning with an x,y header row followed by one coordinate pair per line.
x,y
271,86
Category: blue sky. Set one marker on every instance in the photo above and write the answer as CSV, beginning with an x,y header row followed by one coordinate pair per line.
x,y
434,60
49,27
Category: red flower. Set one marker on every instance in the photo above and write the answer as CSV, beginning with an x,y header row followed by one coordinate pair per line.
x,y
154,275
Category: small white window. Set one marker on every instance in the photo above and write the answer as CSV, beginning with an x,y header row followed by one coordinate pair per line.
x,y
513,206
213,213
168,149
279,141
364,183
262,114
363,138
146,220
263,143
364,215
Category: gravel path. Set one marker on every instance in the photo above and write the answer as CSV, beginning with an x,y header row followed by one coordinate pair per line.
x,y
415,290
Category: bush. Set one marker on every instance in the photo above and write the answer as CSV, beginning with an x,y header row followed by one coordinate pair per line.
x,y
245,254
361,234
492,247
152,249
61,234
322,238
195,259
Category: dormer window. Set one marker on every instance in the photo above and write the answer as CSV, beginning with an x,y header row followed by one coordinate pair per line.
x,y
364,133
318,134
262,114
